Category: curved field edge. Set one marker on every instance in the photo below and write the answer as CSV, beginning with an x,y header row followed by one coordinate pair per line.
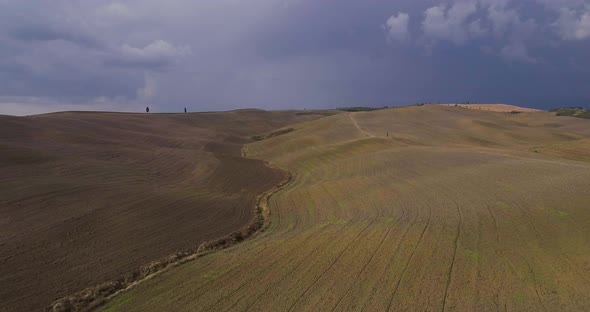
x,y
94,297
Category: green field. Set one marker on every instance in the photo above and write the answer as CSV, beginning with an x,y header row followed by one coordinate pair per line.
x,y
417,208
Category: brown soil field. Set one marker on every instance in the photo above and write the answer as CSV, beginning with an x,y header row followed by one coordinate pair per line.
x,y
88,197
495,107
428,208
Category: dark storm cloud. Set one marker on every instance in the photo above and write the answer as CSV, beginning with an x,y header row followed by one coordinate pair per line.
x,y
226,54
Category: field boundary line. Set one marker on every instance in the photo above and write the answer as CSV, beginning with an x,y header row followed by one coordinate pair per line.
x,y
94,297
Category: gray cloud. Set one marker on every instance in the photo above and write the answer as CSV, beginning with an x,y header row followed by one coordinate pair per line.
x,y
574,25
397,26
517,51
47,33
212,55
451,22
158,55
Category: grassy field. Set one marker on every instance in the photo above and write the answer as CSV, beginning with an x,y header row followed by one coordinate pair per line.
x,y
418,208
89,197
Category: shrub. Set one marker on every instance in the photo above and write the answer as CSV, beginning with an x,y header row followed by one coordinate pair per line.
x,y
358,109
566,112
261,137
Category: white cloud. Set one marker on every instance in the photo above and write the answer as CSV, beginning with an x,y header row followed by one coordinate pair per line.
x,y
574,27
117,9
476,29
450,23
517,51
507,22
149,89
397,26
508,25
463,20
157,56
156,49
558,4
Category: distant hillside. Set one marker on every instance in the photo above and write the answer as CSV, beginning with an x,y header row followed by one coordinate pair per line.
x,y
495,107
359,109
572,111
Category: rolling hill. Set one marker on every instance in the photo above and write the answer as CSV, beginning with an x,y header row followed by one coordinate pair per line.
x,y
90,197
416,208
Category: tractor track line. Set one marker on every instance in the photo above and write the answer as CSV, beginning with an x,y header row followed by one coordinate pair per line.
x,y
396,253
536,288
450,273
410,258
495,223
335,261
289,252
208,308
370,259
284,276
233,271
237,269
201,286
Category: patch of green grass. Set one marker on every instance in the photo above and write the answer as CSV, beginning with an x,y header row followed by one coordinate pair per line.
x,y
261,137
503,204
507,186
311,210
566,112
333,219
572,112
472,254
215,274
519,296
117,304
560,213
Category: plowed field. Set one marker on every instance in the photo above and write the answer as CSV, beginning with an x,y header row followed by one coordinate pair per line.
x,y
88,197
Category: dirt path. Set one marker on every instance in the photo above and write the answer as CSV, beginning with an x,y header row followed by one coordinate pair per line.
x,y
356,124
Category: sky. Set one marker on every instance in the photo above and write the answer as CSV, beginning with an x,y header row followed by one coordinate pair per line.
x,y
210,55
